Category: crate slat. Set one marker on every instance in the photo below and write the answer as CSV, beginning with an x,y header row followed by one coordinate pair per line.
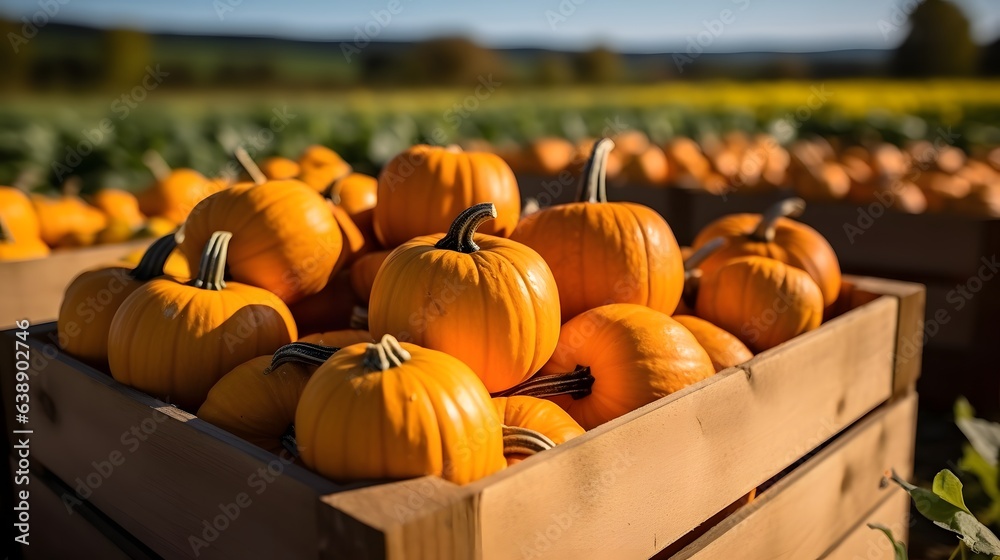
x,y
817,505
863,542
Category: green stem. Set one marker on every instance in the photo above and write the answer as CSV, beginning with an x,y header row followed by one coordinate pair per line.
x,y
595,187
288,441
153,260
382,355
301,352
788,208
460,234
522,441
577,384
212,270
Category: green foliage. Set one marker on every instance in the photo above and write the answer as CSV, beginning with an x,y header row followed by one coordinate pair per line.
x,y
939,44
899,549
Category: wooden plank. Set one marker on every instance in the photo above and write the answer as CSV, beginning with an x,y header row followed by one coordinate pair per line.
x,y
33,289
162,474
869,544
597,495
909,345
815,506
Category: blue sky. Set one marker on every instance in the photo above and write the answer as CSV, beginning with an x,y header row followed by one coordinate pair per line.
x,y
565,24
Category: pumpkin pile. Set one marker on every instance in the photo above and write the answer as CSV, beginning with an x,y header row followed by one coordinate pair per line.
x,y
296,307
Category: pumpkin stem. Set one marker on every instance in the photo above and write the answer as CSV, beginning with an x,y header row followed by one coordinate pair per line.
x,y
212,270
459,237
288,441
788,208
359,318
155,257
251,166
522,441
595,174
384,354
301,352
577,384
6,236
156,165
71,187
696,258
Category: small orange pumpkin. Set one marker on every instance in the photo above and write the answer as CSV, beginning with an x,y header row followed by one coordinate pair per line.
x,y
486,300
16,249
19,214
762,301
621,357
604,252
320,166
66,220
175,194
424,188
547,156
278,168
175,340
357,194
329,309
121,206
776,236
538,415
723,348
423,412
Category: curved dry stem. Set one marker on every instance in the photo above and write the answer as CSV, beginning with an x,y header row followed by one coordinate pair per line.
x,y
788,208
384,354
522,441
577,384
212,270
460,234
251,166
153,260
595,174
302,353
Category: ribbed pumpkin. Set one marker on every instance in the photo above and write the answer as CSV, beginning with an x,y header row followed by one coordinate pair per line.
x,y
338,338
723,348
423,412
176,193
606,252
488,301
424,188
539,415
256,401
66,220
363,273
175,340
19,214
774,235
320,166
616,358
762,301
92,299
285,239
278,168
13,248
357,194
692,273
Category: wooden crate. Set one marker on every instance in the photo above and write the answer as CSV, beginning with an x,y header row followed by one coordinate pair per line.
x,y
626,489
33,289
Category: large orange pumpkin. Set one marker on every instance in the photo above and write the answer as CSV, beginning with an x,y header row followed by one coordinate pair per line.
x,y
13,248
422,412
606,252
92,299
175,194
285,239
537,415
320,166
19,214
778,237
762,301
723,348
616,358
256,401
175,340
488,301
424,188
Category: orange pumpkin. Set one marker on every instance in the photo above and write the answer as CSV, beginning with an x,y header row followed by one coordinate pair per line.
x,y
338,338
424,188
92,298
16,249
363,273
286,240
328,309
174,195
423,412
621,357
488,301
278,168
603,252
762,301
723,348
354,242
357,194
256,401
648,167
66,220
320,166
176,265
538,415
778,237
692,273
547,156
18,213
175,340
121,206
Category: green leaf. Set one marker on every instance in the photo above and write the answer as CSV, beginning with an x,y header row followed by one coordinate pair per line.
x,y
899,549
949,488
963,409
983,435
948,516
988,476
